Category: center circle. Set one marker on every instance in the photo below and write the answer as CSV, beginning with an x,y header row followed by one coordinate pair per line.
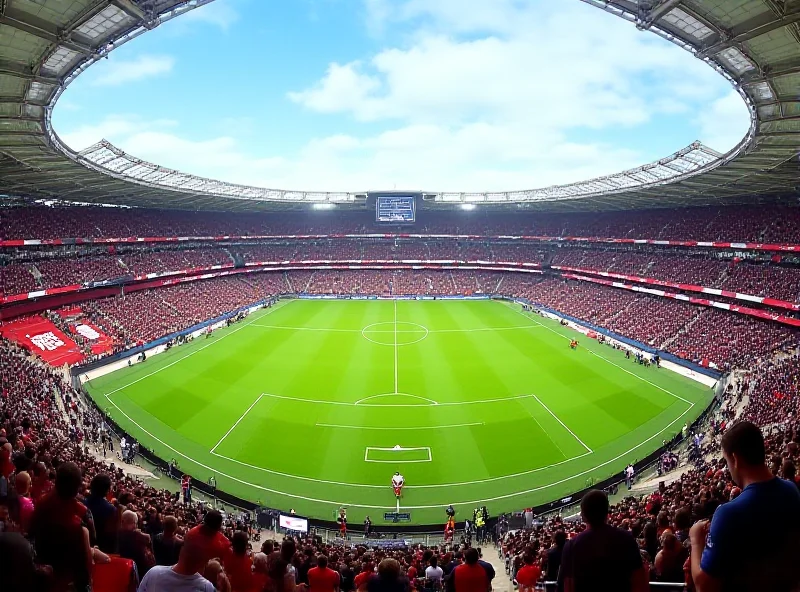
x,y
391,333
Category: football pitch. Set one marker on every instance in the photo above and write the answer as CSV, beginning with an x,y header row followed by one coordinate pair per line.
x,y
314,405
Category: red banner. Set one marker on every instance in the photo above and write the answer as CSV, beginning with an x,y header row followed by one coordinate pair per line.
x,y
99,341
43,338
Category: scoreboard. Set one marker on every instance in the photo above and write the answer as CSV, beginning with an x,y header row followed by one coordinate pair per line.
x,y
395,209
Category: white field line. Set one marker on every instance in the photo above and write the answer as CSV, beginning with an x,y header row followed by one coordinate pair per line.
x,y
346,404
198,350
396,394
546,408
605,359
253,404
395,346
390,429
333,330
544,431
359,485
436,486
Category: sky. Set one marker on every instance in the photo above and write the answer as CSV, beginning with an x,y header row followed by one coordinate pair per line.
x,y
433,95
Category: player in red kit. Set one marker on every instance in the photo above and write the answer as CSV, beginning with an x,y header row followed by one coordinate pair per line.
x,y
397,484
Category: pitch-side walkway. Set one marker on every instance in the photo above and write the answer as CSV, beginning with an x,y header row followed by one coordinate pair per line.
x,y
501,583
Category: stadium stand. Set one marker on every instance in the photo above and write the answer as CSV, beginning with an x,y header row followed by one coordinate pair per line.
x,y
759,224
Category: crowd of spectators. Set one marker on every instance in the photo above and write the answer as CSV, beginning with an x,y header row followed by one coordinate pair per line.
x,y
763,223
702,335
143,316
51,479
669,524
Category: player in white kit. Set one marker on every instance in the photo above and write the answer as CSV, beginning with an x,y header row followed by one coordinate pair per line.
x,y
397,484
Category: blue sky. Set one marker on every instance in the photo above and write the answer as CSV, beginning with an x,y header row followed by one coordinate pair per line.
x,y
460,95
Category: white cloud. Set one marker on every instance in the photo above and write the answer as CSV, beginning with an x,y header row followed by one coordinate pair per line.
x,y
112,128
219,13
724,123
423,156
482,95
115,72
568,68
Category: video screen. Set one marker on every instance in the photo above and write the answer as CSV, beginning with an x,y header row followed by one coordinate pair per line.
x,y
395,209
294,523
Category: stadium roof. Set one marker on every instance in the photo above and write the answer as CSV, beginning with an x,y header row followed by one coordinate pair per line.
x,y
45,44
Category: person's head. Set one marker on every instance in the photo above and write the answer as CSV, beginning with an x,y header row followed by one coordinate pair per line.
x,y
471,556
560,538
528,557
322,561
100,485
288,549
192,558
650,532
239,542
260,563
68,480
22,483
213,521
594,508
743,449
434,561
212,570
683,519
129,520
789,470
389,569
170,525
669,541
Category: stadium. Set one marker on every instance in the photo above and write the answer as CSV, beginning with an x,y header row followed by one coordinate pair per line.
x,y
287,354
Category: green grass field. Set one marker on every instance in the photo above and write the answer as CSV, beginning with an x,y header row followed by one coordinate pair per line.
x,y
304,405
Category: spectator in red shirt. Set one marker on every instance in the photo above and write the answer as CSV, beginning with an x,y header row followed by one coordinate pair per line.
x,y
321,578
135,544
41,485
60,527
22,484
260,571
211,538
529,574
470,575
367,571
238,563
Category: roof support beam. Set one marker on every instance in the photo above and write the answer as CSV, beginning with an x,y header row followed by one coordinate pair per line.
x,y
23,22
751,29
131,9
20,133
783,68
19,118
659,10
18,70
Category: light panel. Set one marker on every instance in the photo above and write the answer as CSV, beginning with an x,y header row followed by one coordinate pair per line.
x,y
108,19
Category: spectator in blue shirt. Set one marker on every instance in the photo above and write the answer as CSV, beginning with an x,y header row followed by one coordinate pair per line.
x,y
752,543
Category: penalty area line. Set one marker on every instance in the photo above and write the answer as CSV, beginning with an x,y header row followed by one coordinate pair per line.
x,y
238,421
546,408
392,429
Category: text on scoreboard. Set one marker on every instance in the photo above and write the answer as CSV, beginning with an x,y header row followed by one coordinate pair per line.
x,y
397,209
